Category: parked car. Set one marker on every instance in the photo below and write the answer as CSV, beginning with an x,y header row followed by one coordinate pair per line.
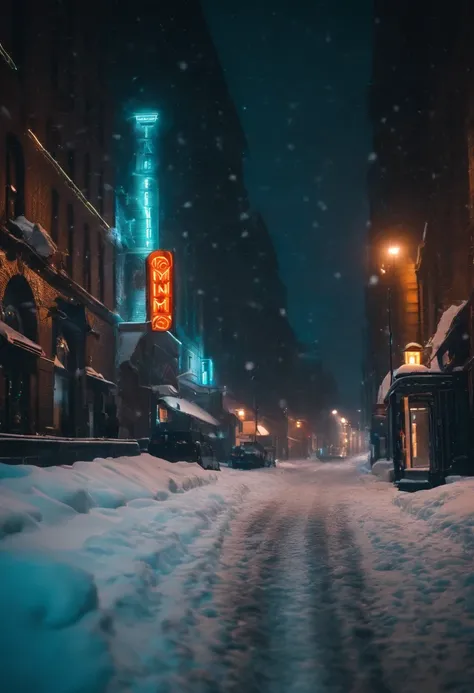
x,y
176,446
248,456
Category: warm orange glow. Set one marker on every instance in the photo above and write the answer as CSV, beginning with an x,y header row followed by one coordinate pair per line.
x,y
160,290
298,424
413,358
241,413
394,250
343,420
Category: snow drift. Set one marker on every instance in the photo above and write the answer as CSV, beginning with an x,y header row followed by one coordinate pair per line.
x,y
81,553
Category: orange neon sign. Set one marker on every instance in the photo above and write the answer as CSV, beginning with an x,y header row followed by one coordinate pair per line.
x,y
160,290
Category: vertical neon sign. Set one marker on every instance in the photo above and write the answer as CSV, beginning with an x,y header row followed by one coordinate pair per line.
x,y
146,233
160,290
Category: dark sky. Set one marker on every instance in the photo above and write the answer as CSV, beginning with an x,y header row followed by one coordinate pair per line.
x,y
298,72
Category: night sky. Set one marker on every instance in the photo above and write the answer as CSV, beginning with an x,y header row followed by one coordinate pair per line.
x,y
298,72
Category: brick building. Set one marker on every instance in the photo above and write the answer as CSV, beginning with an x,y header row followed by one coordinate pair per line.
x,y
57,292
415,111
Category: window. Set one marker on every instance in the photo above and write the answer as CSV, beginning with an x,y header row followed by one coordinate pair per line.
x,y
15,182
71,164
54,227
87,259
101,269
101,192
70,239
87,176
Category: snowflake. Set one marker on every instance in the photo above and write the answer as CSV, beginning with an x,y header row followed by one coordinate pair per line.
x,y
372,157
282,312
183,65
185,234
291,147
116,136
322,205
373,280
337,275
249,366
181,140
244,216
244,234
232,177
187,204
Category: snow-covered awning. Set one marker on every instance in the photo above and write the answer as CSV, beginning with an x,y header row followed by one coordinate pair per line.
x,y
91,373
164,390
189,408
262,431
35,235
19,340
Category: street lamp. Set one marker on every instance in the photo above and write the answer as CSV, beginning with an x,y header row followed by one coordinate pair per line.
x,y
343,420
334,412
241,413
393,252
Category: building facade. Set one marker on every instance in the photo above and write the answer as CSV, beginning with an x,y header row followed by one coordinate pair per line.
x,y
230,340
57,251
404,181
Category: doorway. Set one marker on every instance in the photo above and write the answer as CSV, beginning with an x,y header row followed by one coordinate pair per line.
x,y
417,432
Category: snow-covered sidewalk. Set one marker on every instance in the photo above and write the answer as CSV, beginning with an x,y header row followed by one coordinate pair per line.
x,y
82,555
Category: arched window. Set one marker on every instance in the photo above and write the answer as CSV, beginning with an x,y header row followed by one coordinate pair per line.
x,y
15,183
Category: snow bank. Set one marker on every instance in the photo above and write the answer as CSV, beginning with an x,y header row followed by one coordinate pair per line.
x,y
383,470
447,508
81,554
31,495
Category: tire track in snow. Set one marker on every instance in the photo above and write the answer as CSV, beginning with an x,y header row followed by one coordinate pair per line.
x,y
367,656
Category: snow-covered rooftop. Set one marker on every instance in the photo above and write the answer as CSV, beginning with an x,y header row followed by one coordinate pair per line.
x,y
444,325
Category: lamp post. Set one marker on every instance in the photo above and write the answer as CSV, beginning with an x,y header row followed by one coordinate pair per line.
x,y
393,252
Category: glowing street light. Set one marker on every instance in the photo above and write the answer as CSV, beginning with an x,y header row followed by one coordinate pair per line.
x,y
298,424
241,413
334,412
343,420
394,250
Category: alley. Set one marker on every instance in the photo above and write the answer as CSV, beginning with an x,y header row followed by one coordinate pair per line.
x,y
310,577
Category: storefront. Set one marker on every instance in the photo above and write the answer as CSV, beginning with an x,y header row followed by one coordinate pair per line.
x,y
18,381
430,436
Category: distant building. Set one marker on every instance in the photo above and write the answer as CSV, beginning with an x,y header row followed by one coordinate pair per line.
x,y
231,340
57,252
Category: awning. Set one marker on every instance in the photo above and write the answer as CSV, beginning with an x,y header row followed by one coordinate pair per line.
x,y
189,408
164,390
98,377
19,340
262,431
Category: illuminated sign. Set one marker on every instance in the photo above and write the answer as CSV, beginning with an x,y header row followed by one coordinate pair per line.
x,y
147,118
160,290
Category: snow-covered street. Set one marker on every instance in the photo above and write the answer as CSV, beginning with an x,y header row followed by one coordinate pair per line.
x,y
137,575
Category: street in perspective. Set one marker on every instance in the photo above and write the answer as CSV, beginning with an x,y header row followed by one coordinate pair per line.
x,y
236,346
